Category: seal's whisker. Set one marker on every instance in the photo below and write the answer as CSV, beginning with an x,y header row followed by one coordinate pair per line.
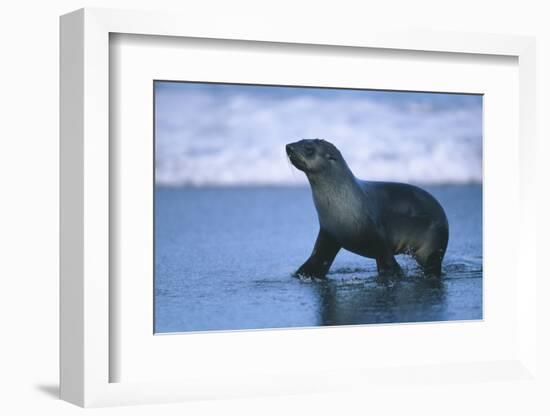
x,y
290,167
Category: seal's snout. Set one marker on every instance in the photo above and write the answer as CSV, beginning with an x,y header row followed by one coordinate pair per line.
x,y
290,149
293,152
295,156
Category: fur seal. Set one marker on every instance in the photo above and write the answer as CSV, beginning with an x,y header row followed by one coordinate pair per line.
x,y
372,219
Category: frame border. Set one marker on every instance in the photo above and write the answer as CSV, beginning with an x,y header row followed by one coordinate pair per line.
x,y
84,190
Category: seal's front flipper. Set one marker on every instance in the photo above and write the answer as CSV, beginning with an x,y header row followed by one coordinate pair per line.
x,y
321,258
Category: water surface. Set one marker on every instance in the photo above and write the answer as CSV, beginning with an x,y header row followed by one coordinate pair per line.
x,y
224,258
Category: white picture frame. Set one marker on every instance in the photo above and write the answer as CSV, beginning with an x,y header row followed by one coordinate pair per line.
x,y
86,290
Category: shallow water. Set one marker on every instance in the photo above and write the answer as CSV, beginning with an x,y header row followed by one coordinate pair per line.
x,y
224,258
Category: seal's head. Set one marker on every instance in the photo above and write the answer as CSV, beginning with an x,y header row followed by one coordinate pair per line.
x,y
314,156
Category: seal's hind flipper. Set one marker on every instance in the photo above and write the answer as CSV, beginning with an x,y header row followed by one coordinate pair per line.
x,y
388,266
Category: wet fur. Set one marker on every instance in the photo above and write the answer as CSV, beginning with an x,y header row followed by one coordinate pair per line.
x,y
372,219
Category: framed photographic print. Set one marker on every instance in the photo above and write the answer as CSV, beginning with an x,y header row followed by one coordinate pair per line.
x,y
263,212
232,219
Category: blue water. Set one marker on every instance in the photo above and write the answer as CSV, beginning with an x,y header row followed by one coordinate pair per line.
x,y
224,258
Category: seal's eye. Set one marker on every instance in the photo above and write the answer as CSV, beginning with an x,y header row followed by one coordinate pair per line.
x,y
309,150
